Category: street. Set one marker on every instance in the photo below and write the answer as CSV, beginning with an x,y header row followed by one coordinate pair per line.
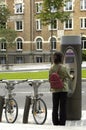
x,y
24,89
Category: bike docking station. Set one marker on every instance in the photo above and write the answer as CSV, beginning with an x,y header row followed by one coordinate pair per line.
x,y
71,48
39,108
1,107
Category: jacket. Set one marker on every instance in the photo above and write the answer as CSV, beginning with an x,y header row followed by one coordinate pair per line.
x,y
64,75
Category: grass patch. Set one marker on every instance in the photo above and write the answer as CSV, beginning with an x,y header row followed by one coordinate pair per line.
x,y
24,75
30,75
83,73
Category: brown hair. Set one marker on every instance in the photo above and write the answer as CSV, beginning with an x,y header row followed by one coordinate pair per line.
x,y
58,57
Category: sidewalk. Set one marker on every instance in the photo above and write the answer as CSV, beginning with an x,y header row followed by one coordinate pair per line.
x,y
30,67
18,125
26,67
83,64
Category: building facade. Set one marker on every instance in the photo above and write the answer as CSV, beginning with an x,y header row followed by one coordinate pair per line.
x,y
35,42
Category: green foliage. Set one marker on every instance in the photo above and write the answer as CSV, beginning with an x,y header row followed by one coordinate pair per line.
x,y
8,34
83,55
4,15
52,9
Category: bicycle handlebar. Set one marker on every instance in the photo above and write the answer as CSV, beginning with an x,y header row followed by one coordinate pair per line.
x,y
36,82
14,82
31,82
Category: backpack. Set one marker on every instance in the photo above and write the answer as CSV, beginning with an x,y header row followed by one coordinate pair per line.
x,y
55,80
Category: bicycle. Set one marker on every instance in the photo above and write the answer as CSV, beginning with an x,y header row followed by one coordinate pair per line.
x,y
10,104
39,108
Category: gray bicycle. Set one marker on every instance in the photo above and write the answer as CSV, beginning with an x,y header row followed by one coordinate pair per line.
x,y
10,104
39,108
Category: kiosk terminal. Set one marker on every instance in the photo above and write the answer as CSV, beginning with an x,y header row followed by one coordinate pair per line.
x,y
71,48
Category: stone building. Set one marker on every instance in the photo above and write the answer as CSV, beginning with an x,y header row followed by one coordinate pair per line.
x,y
35,42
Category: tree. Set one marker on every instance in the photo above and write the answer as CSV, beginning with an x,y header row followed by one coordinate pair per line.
x,y
7,35
4,15
52,10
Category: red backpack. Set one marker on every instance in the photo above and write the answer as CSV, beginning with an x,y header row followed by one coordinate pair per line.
x,y
55,80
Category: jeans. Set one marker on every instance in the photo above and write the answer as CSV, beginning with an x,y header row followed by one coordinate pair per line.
x,y
59,100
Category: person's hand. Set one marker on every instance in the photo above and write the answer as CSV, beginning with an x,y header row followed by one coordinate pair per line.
x,y
72,76
70,93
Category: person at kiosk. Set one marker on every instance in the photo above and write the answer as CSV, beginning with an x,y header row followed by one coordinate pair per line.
x,y
59,96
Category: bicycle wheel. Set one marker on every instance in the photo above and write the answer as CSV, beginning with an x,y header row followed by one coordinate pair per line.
x,y
39,111
11,110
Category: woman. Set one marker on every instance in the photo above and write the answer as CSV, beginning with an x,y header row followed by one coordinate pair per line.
x,y
59,96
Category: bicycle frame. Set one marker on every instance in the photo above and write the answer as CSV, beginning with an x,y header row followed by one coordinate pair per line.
x,y
36,84
39,108
10,104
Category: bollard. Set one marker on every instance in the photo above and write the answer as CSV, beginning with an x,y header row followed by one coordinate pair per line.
x,y
26,109
1,107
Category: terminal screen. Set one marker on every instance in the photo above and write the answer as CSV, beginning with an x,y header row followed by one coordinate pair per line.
x,y
69,59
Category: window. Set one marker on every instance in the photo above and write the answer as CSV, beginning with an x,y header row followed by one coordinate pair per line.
x,y
53,25
83,44
83,23
3,25
19,26
68,24
38,24
39,44
3,46
68,6
83,4
38,59
53,43
2,1
38,7
18,8
19,44
2,60
19,60
53,9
